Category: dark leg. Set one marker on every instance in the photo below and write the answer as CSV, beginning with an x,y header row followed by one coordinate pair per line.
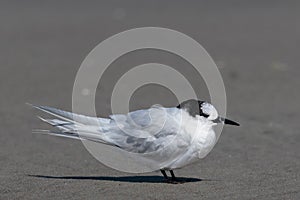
x,y
174,180
170,180
164,173
173,176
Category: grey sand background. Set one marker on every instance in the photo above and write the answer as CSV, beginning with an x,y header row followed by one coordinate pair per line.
x,y
255,45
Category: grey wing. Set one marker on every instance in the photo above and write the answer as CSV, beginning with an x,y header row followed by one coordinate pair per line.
x,y
138,131
144,130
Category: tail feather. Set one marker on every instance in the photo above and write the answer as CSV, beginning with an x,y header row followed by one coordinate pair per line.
x,y
71,117
80,127
58,134
65,126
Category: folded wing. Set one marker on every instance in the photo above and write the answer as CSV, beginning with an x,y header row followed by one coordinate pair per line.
x,y
139,131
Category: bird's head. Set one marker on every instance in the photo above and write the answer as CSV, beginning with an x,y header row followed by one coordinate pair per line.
x,y
204,109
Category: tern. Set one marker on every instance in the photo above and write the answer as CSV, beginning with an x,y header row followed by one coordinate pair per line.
x,y
180,135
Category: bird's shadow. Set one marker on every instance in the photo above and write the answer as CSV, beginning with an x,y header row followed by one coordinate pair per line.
x,y
132,179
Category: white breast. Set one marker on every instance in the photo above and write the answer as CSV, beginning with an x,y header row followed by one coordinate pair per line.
x,y
197,139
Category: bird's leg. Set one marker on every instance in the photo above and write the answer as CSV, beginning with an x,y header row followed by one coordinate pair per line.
x,y
164,173
172,179
172,174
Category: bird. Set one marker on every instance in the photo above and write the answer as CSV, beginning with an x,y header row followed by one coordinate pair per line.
x,y
181,135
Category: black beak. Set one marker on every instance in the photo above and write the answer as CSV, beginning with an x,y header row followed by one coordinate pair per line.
x,y
226,121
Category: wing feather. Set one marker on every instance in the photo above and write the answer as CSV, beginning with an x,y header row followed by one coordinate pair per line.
x,y
139,131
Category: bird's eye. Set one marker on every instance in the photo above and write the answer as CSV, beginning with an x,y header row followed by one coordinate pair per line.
x,y
202,109
204,115
209,111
